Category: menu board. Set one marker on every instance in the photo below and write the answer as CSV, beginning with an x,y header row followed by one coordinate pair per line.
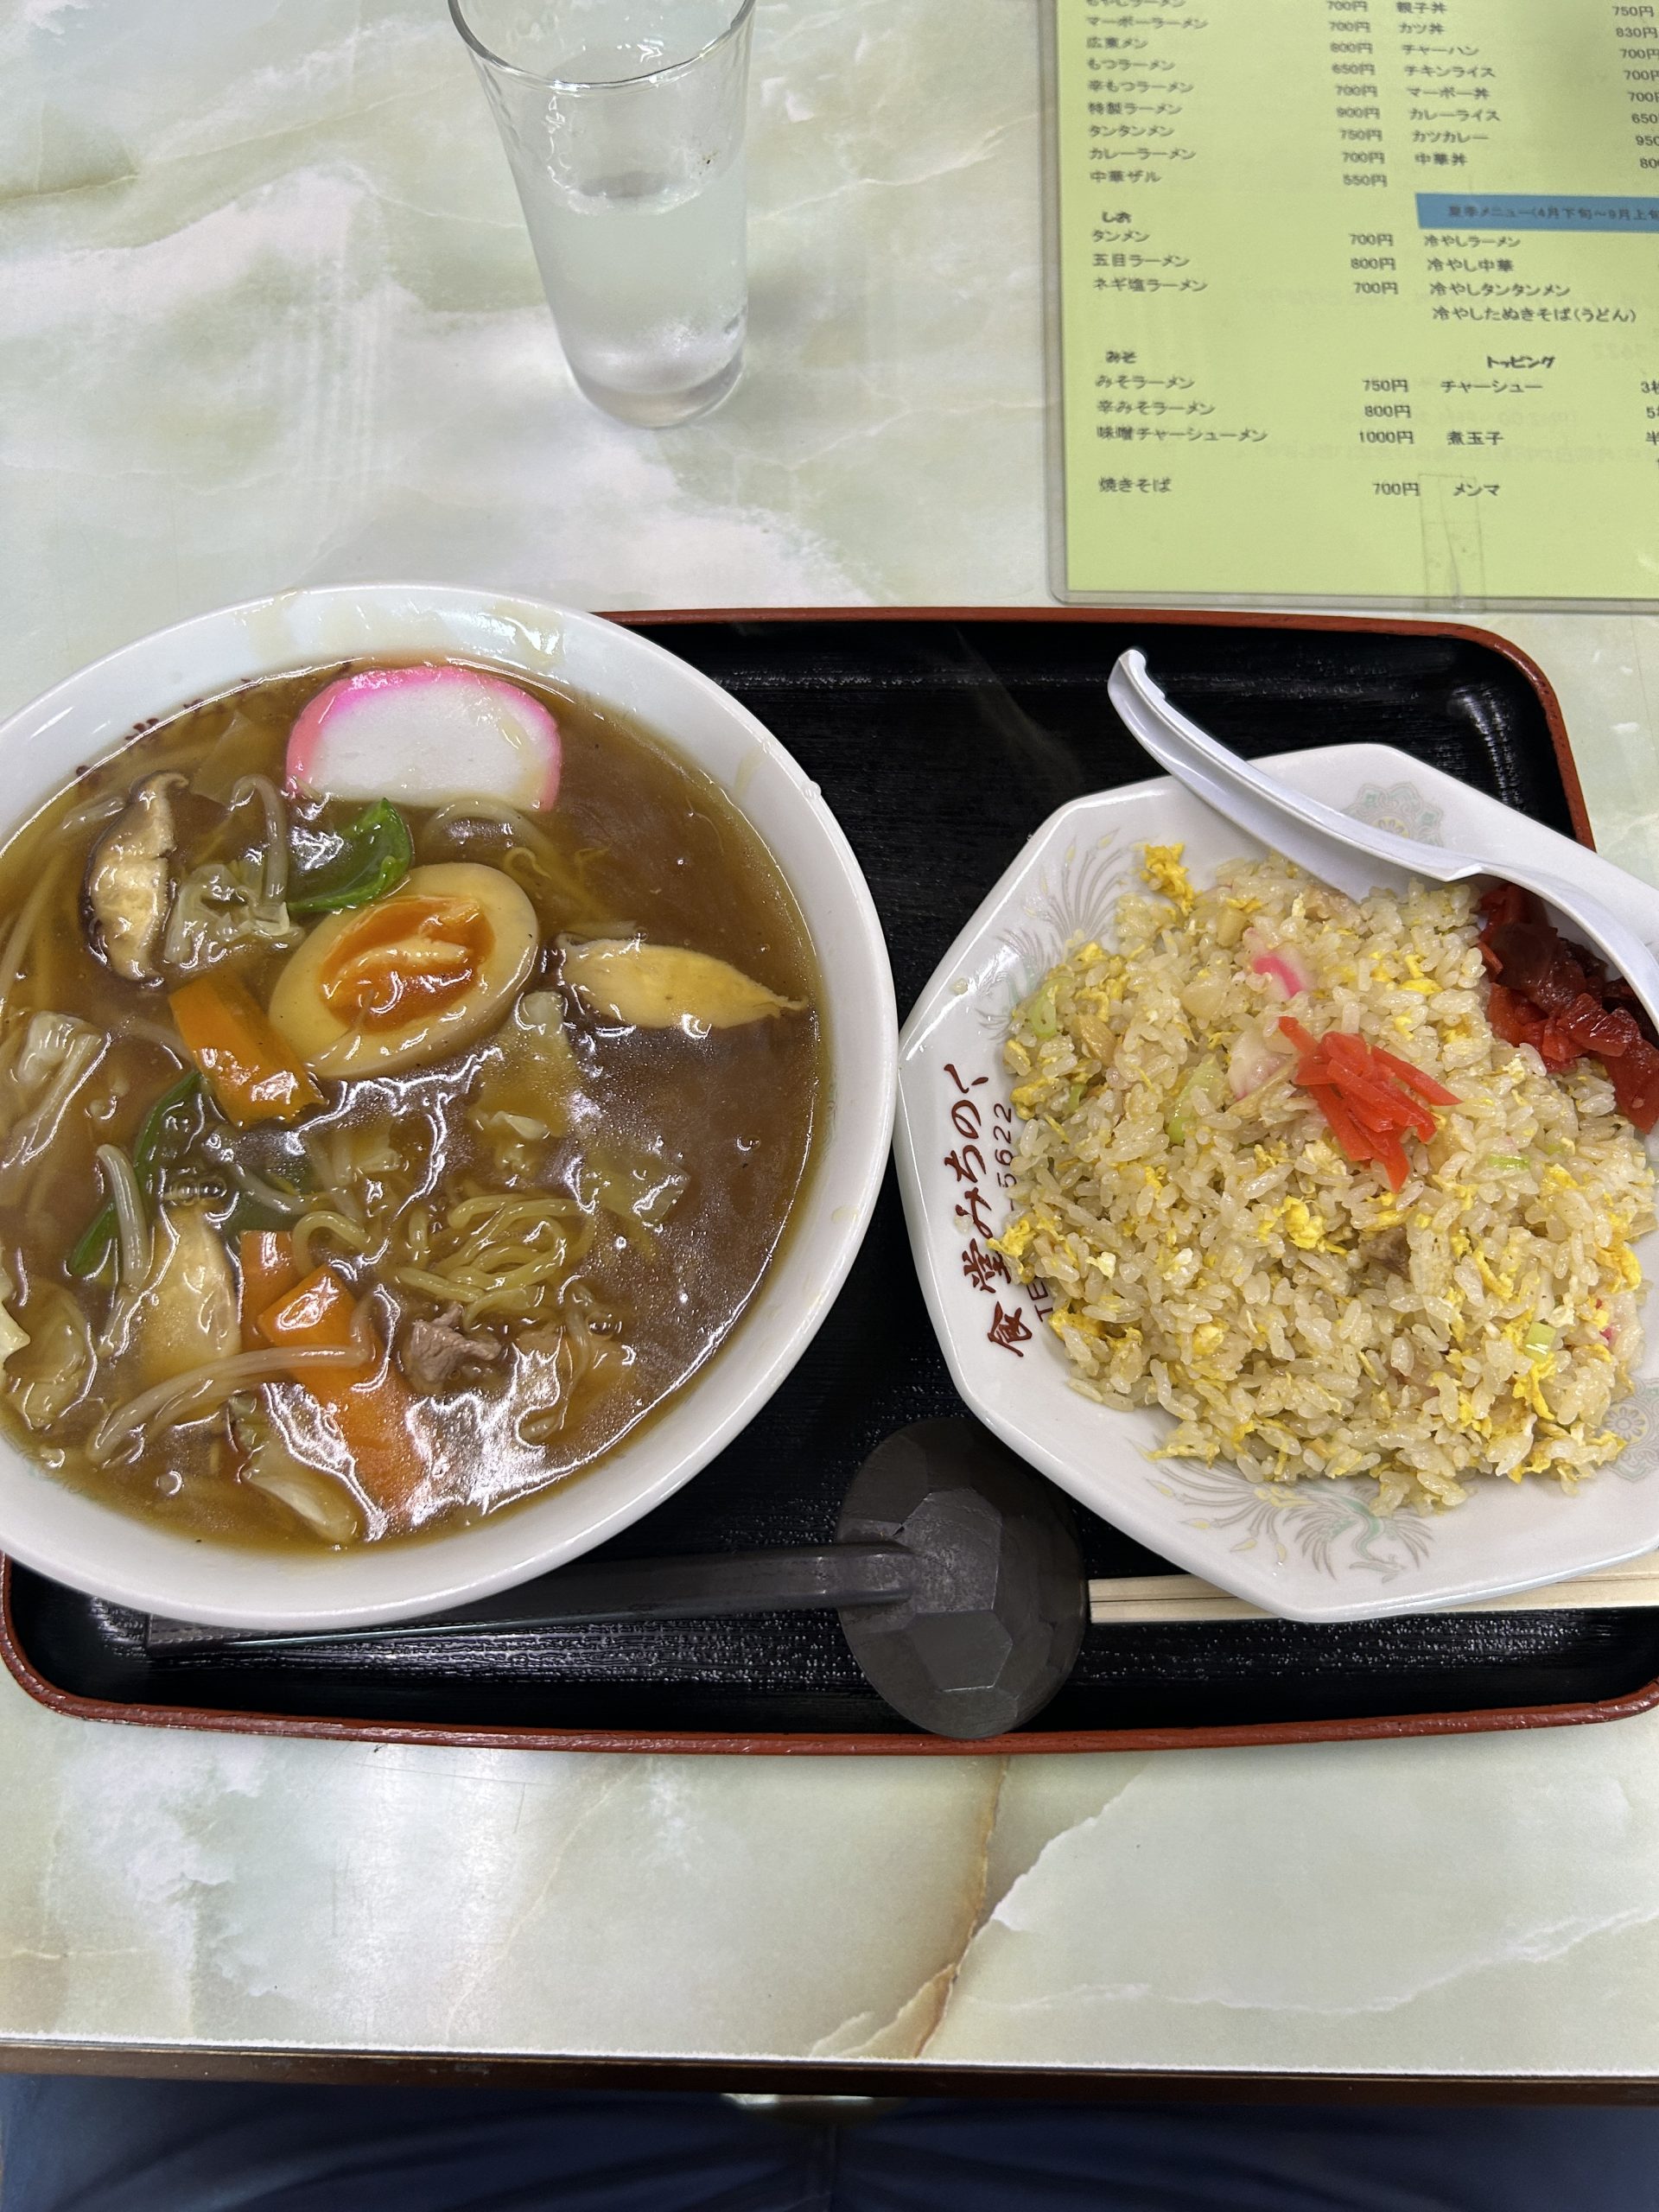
x,y
1357,298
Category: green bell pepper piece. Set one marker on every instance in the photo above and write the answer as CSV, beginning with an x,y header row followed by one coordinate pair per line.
x,y
378,854
165,1131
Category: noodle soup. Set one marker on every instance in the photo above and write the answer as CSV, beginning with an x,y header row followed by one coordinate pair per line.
x,y
405,1078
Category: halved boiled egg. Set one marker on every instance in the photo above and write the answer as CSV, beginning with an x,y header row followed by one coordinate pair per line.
x,y
411,978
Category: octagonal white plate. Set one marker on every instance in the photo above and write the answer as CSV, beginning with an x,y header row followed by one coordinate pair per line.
x,y
1316,1552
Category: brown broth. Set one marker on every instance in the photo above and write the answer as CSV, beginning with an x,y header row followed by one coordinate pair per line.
x,y
638,842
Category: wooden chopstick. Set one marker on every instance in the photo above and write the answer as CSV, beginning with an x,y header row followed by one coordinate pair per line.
x,y
1119,1601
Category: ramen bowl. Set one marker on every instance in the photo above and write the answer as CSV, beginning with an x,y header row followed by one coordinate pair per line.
x,y
134,1558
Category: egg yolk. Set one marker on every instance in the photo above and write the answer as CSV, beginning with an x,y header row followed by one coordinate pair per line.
x,y
404,958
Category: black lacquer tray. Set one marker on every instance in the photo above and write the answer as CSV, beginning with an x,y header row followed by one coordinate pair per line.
x,y
942,740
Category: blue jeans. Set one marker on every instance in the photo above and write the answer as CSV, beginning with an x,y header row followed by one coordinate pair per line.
x,y
74,2144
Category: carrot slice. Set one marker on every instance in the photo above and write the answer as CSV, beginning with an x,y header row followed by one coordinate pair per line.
x,y
253,1073
267,1269
317,1309
368,1408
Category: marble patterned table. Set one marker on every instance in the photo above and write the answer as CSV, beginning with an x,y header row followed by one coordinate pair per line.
x,y
267,316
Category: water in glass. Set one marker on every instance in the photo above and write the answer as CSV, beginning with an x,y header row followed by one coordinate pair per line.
x,y
623,121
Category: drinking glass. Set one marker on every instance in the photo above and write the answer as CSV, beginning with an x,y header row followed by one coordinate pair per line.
x,y
623,122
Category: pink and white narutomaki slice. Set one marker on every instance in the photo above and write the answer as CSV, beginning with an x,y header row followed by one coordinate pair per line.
x,y
427,736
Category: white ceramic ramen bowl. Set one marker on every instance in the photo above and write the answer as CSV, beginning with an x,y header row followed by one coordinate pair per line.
x,y
134,1562
1316,1552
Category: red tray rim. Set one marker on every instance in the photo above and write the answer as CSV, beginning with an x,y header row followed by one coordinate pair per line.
x,y
776,1744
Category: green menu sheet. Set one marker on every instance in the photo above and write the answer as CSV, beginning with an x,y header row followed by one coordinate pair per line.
x,y
1358,298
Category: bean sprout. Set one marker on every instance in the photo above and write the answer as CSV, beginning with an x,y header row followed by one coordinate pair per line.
x,y
134,1241
492,814
182,1397
273,861
268,1194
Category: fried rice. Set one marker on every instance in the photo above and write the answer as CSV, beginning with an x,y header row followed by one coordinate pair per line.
x,y
1210,1249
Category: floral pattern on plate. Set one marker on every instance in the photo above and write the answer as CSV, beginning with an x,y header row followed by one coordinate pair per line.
x,y
1400,808
1328,1524
1075,903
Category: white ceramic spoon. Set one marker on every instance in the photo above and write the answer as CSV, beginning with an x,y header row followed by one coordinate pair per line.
x,y
1353,855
